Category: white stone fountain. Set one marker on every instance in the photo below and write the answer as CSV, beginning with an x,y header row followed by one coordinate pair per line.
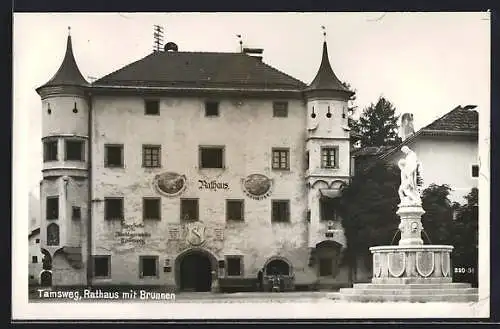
x,y
410,271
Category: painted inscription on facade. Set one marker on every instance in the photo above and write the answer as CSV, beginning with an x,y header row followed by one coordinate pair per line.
x,y
132,233
212,185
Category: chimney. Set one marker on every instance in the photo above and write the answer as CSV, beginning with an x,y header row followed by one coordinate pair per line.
x,y
254,52
406,128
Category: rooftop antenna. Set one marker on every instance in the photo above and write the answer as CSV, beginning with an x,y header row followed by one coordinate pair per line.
x,y
241,42
158,38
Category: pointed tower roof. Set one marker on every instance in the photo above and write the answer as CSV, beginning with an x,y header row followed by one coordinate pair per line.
x,y
325,79
68,73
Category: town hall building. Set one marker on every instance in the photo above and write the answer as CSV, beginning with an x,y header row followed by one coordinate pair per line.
x,y
198,171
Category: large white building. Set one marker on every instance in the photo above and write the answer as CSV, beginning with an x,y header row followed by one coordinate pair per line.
x,y
194,170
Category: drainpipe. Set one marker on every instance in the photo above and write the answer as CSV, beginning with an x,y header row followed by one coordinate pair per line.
x,y
89,204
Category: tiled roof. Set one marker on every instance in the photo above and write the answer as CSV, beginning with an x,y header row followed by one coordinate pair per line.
x,y
370,151
459,119
200,70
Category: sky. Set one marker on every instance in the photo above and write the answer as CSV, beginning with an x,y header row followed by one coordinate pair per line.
x,y
423,63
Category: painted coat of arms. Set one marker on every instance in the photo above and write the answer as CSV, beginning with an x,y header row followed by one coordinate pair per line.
x,y
170,183
257,186
195,233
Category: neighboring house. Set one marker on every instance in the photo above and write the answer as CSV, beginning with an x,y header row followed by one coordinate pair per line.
x,y
194,170
447,149
35,257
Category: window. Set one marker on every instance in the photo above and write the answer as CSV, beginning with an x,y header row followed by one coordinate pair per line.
x,y
151,156
281,159
280,109
234,210
74,150
211,109
325,267
76,213
53,235
52,207
307,160
189,210
152,107
328,209
37,241
50,150
113,208
102,266
148,266
475,171
151,208
328,157
113,155
280,211
212,157
234,265
34,259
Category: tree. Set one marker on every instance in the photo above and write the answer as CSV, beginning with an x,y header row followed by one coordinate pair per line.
x,y
351,109
438,218
377,125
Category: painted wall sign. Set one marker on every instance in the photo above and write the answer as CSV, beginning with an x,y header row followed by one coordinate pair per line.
x,y
212,185
130,234
170,184
195,233
257,186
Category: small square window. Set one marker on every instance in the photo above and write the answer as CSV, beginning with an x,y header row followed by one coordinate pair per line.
x,y
212,109
212,157
234,265
151,107
50,150
52,207
148,266
281,159
329,157
280,109
234,210
151,208
37,241
76,213
74,150
189,210
113,156
34,259
102,266
280,211
475,171
325,267
151,156
113,208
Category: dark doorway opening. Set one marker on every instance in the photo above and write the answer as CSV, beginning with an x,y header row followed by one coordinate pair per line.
x,y
46,279
277,267
195,272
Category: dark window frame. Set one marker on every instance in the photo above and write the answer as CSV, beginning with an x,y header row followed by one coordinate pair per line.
x,y
288,210
324,205
151,147
108,261
144,208
57,240
280,112
106,205
37,240
67,142
221,148
147,106
326,151
227,260
76,212
215,109
48,153
280,151
53,215
107,163
156,259
34,259
181,215
242,210
475,171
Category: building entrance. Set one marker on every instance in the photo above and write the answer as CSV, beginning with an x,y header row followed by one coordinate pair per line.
x,y
195,272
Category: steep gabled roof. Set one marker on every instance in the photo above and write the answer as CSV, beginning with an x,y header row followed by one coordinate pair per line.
x,y
68,73
200,70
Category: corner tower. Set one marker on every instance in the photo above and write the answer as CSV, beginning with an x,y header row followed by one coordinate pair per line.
x,y
65,185
328,170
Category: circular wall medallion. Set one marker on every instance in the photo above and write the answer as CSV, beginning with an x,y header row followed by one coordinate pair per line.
x,y
257,186
170,183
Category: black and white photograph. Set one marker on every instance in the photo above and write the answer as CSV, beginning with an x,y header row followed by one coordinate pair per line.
x,y
251,165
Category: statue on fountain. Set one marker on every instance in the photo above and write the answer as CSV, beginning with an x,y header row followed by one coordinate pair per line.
x,y
409,190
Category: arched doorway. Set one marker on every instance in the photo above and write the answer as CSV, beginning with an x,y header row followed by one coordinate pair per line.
x,y
328,256
277,267
194,270
46,279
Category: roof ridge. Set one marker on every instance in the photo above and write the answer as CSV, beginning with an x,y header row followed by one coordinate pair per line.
x,y
278,70
122,68
442,117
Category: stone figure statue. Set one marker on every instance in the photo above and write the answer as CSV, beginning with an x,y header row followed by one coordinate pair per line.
x,y
408,190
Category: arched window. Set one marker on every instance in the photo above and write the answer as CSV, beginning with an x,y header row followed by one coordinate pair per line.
x,y
277,267
53,234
